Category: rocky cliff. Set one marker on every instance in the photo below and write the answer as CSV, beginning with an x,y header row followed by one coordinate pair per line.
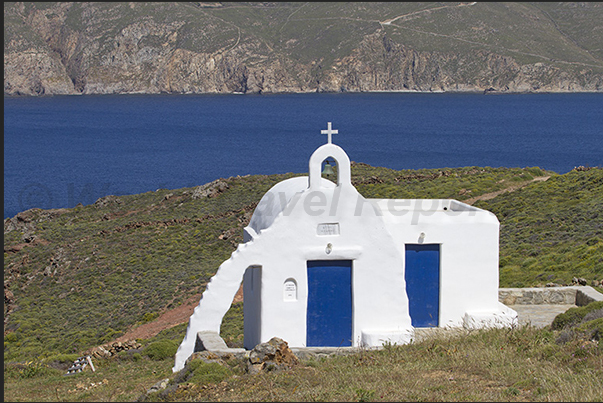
x,y
116,48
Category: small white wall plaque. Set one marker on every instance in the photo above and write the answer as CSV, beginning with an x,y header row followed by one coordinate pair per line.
x,y
290,290
328,229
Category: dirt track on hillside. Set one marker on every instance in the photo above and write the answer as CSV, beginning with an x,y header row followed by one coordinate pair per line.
x,y
169,319
492,195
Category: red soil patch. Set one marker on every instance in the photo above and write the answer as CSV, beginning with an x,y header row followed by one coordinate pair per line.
x,y
170,318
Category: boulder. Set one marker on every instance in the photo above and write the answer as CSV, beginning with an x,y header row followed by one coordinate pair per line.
x,y
272,355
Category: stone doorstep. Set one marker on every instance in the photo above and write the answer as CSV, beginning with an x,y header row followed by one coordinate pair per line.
x,y
317,352
212,342
207,338
577,295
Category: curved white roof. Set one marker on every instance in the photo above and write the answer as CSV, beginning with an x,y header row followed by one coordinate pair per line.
x,y
276,199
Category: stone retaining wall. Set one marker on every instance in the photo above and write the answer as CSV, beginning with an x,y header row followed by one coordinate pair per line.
x,y
578,295
108,350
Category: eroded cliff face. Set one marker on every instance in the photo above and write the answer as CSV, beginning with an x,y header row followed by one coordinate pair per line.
x,y
379,64
108,54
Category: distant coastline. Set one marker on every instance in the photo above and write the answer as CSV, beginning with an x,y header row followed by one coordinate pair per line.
x,y
324,47
469,92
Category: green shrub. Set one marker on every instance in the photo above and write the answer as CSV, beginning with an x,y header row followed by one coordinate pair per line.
x,y
28,369
10,337
232,326
160,350
58,360
202,373
174,333
574,316
149,317
593,329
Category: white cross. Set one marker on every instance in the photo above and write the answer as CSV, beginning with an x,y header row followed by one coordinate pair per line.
x,y
329,132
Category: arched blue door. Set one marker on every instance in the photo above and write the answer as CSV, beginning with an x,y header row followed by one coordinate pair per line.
x,y
329,310
422,274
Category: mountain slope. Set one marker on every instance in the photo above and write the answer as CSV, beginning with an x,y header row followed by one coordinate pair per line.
x,y
191,47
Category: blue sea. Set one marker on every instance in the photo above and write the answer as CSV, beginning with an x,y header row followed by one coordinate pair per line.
x,y
63,150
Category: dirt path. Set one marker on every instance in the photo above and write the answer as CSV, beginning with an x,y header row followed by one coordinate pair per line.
x,y
166,320
169,319
389,21
512,188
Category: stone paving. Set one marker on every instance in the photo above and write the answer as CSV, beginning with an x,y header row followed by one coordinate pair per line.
x,y
539,306
539,315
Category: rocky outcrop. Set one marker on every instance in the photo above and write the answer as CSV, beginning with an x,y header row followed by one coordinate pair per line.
x,y
272,355
88,48
380,64
211,189
112,349
31,66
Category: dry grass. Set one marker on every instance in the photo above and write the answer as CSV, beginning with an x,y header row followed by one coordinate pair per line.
x,y
520,364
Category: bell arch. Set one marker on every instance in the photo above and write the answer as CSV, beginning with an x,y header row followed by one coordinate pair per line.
x,y
330,150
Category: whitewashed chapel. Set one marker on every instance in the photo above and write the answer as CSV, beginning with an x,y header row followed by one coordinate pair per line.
x,y
323,266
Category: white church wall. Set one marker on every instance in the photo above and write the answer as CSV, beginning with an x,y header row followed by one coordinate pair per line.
x,y
324,223
216,300
309,218
468,239
379,300
284,318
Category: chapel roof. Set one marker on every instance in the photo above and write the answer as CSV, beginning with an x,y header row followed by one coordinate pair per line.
x,y
276,199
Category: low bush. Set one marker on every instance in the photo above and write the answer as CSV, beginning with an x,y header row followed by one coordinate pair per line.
x,y
28,369
593,329
202,373
574,316
160,350
60,361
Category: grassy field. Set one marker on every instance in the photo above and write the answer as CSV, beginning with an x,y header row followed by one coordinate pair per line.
x,y
78,278
519,364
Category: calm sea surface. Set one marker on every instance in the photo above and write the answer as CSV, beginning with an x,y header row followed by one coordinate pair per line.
x,y
63,150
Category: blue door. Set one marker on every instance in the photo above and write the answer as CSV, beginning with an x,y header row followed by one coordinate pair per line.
x,y
422,274
329,312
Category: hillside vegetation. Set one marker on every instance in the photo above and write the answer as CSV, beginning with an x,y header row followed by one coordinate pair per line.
x,y
78,278
263,47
